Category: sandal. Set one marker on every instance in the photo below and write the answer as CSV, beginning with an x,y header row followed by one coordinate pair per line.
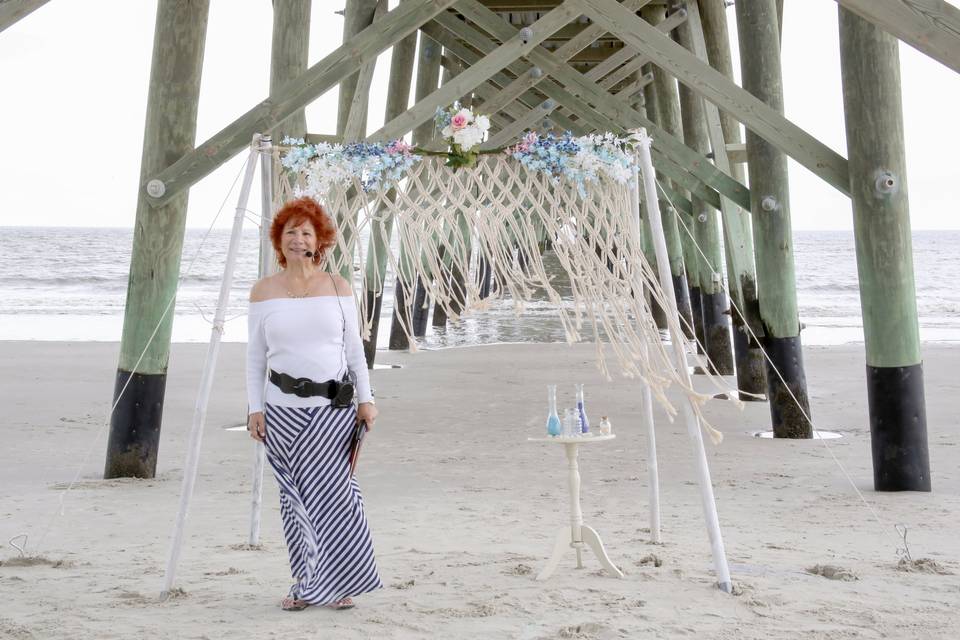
x,y
342,604
292,604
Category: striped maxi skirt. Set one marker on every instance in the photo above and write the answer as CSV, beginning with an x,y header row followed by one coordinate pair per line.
x,y
331,554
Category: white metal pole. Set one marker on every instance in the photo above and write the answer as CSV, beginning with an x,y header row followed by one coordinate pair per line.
x,y
267,266
206,380
676,337
645,394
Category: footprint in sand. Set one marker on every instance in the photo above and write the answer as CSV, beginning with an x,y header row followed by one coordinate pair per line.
x,y
833,572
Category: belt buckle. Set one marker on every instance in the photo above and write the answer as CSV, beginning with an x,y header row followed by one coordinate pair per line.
x,y
300,387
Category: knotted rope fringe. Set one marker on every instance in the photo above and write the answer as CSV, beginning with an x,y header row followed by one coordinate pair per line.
x,y
445,221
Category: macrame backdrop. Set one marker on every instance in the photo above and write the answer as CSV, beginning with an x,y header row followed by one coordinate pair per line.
x,y
501,211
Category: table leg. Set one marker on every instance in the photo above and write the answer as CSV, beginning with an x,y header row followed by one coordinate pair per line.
x,y
593,541
576,514
559,548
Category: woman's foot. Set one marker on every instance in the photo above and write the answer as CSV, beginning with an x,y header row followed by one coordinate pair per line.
x,y
292,604
344,603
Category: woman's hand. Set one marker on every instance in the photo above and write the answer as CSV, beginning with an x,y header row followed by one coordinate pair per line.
x,y
367,411
257,426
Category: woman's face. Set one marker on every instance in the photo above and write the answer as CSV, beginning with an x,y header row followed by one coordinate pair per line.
x,y
297,239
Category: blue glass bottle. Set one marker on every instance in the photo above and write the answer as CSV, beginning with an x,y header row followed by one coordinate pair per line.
x,y
553,420
581,413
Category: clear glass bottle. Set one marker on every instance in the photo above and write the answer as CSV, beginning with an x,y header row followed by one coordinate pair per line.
x,y
581,412
553,420
571,423
605,428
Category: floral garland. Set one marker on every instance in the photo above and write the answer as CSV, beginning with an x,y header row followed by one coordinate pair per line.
x,y
582,161
325,165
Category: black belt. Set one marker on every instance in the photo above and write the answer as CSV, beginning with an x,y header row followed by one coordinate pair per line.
x,y
305,387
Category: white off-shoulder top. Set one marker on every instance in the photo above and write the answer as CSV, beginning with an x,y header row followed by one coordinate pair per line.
x,y
304,338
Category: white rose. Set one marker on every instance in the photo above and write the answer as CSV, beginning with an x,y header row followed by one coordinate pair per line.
x,y
446,132
468,137
482,123
467,114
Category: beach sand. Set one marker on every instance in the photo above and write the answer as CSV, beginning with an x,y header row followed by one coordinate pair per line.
x,y
464,510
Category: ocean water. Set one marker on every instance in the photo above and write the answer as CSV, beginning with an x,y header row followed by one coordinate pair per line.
x,y
70,284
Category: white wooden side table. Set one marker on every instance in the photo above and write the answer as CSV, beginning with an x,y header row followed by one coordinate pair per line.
x,y
578,535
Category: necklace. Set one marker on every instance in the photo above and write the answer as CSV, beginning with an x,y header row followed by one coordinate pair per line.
x,y
302,295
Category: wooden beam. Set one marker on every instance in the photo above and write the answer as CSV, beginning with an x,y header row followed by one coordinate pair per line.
x,y
355,126
548,87
671,22
754,113
931,26
289,47
294,95
737,153
500,57
612,112
631,57
676,171
12,11
527,81
528,100
521,5
317,138
516,109
632,89
470,57
429,57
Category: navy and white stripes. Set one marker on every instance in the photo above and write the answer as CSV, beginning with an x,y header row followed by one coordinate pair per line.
x,y
331,554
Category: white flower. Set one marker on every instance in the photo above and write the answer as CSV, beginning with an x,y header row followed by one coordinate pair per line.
x,y
468,137
467,114
482,123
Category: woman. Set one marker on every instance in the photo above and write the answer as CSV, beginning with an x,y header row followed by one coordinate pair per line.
x,y
304,339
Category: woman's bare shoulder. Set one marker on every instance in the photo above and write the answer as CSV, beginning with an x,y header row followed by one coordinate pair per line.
x,y
263,288
342,286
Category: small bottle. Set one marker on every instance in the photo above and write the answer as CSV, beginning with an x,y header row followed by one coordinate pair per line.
x,y
553,420
571,424
605,428
581,413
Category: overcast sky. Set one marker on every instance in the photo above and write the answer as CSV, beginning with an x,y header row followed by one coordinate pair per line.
x,y
75,78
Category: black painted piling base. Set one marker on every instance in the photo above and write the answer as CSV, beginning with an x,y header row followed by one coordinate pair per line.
x,y
659,315
683,304
439,316
458,291
398,339
696,310
484,274
716,330
374,302
785,415
135,426
751,366
421,309
898,428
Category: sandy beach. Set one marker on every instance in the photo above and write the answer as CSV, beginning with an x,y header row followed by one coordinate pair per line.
x,y
464,510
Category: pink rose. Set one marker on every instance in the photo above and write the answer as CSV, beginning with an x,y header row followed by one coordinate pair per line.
x,y
458,121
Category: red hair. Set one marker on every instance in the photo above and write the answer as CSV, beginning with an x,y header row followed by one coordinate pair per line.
x,y
299,211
